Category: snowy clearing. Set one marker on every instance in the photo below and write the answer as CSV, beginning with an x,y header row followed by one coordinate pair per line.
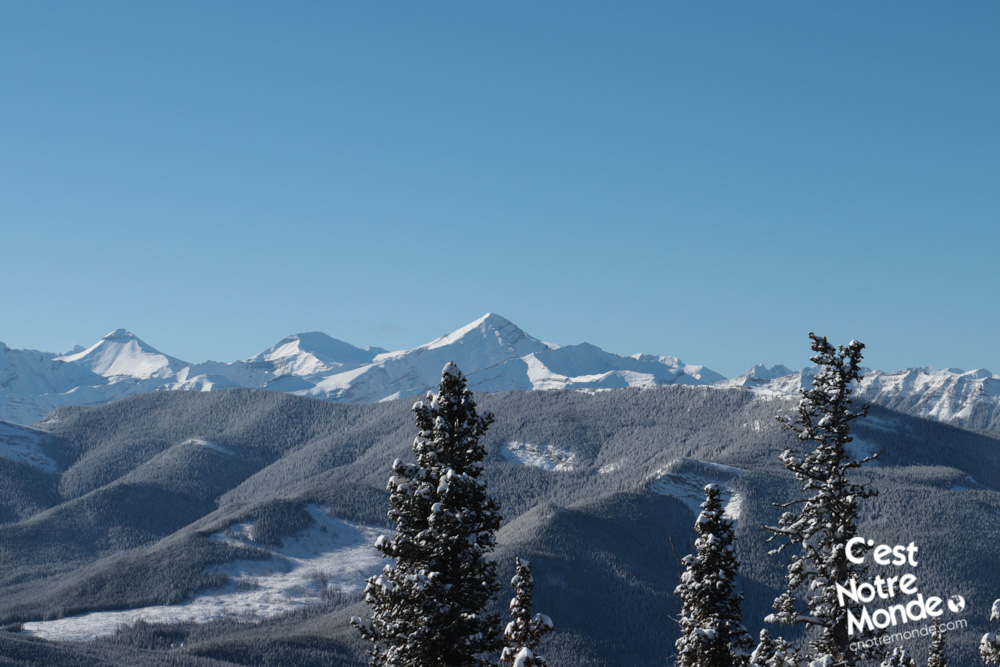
x,y
538,456
23,444
611,467
329,554
685,479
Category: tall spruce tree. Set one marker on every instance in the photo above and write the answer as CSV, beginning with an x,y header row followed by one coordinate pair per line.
x,y
818,526
712,632
428,607
935,652
524,631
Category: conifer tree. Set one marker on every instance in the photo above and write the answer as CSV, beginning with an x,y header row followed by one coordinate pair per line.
x,y
524,631
823,521
899,657
712,633
428,607
989,646
773,652
935,653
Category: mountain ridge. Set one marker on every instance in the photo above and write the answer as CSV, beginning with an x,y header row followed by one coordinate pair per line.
x,y
492,350
494,353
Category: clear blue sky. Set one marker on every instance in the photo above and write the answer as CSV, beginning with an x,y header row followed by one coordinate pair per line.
x,y
707,180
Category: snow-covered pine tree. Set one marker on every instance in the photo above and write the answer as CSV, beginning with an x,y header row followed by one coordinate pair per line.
x,y
989,646
773,652
524,631
827,518
428,607
899,657
712,632
935,653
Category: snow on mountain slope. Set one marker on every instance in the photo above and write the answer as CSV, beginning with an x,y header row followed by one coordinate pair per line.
x,y
493,353
216,375
586,366
32,372
685,479
122,354
331,554
589,366
498,356
25,445
757,375
969,399
685,373
312,353
488,341
26,374
545,457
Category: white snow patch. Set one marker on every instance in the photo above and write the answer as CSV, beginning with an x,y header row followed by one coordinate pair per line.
x,y
329,554
610,467
545,457
593,391
198,442
122,354
541,377
688,484
23,445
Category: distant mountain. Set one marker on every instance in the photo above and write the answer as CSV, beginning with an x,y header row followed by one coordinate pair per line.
x,y
121,354
758,375
311,354
492,351
970,399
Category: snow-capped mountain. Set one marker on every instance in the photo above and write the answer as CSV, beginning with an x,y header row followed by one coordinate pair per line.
x,y
757,375
496,355
493,352
970,399
312,353
121,354
26,374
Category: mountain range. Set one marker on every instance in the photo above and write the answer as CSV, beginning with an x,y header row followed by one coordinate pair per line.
x,y
495,354
223,501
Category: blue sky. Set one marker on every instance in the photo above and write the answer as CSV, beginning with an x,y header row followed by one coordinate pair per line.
x,y
707,180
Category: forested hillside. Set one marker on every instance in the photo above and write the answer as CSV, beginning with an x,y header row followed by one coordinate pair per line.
x,y
180,498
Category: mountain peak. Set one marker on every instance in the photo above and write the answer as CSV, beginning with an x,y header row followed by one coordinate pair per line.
x,y
762,372
123,354
490,326
494,320
120,334
312,352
